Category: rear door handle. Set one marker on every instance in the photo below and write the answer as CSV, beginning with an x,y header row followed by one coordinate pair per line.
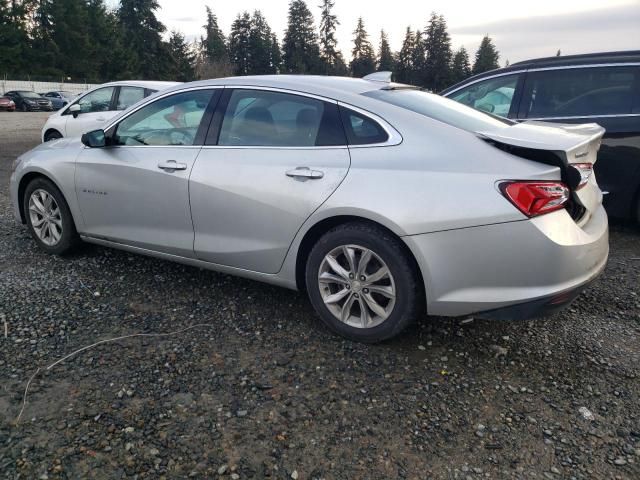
x,y
305,173
171,165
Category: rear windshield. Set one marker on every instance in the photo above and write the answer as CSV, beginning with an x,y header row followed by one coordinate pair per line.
x,y
440,108
29,94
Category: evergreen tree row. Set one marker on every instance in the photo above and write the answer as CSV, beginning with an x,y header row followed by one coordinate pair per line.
x,y
83,39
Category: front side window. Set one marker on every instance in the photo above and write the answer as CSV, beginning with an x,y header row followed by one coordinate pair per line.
x,y
577,92
266,118
493,96
128,96
96,101
172,120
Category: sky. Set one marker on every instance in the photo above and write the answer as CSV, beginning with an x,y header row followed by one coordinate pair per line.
x,y
520,29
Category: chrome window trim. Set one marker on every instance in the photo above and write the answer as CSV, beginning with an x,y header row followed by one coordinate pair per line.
x,y
504,74
612,115
542,69
394,137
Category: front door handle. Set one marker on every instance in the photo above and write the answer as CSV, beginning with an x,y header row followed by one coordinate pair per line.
x,y
171,165
305,173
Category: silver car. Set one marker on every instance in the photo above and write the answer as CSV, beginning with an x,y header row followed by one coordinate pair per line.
x,y
379,200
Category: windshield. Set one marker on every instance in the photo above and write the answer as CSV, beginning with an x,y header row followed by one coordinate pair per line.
x,y
29,94
442,109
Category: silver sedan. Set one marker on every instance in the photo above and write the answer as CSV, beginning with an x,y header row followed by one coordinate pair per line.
x,y
381,201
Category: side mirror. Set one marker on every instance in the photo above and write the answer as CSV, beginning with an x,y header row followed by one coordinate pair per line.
x,y
94,139
75,110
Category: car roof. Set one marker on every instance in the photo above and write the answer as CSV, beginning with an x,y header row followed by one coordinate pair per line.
x,y
325,86
626,56
150,84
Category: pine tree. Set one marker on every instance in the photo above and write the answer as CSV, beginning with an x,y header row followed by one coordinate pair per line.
x,y
418,59
385,61
239,44
301,52
142,35
363,60
261,44
213,43
182,58
460,67
404,62
486,57
437,73
111,60
332,60
558,53
14,42
275,54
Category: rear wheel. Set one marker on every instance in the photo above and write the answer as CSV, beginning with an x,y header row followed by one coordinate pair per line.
x,y
48,217
362,282
52,135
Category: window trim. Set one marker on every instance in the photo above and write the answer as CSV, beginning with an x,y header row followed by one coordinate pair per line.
x,y
521,113
216,124
202,129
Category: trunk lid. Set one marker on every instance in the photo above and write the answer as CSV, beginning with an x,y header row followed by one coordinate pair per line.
x,y
566,146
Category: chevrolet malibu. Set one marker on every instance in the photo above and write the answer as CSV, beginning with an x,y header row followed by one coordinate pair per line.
x,y
381,201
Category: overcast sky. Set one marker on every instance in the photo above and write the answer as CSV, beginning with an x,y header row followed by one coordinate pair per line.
x,y
520,29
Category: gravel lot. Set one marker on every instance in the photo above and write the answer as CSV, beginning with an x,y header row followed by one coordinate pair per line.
x,y
263,390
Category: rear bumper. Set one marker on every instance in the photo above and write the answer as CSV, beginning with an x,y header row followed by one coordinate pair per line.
x,y
492,267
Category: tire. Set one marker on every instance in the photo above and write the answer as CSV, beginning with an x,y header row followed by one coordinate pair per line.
x,y
52,135
67,238
24,107
391,313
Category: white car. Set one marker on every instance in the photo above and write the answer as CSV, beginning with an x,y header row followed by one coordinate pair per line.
x,y
92,109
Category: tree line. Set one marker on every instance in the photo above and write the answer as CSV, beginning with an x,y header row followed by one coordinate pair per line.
x,y
84,39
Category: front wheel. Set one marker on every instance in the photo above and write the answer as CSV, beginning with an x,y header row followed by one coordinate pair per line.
x,y
48,217
24,107
363,283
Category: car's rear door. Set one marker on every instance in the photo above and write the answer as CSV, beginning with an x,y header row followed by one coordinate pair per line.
x,y
271,159
135,190
603,94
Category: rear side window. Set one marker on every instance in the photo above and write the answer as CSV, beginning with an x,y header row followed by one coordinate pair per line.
x,y
360,129
579,92
128,96
274,119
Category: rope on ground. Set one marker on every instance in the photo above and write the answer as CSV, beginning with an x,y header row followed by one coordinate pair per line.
x,y
107,340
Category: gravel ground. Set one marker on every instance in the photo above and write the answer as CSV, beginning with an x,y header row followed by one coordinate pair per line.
x,y
263,390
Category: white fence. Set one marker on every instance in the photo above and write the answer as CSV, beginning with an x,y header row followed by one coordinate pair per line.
x,y
42,87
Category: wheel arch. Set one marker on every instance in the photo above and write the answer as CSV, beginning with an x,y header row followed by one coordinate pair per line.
x,y
50,130
313,234
26,179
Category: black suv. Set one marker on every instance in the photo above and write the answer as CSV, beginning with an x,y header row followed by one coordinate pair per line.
x,y
29,101
602,87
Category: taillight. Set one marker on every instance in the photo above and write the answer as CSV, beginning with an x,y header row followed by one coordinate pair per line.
x,y
535,198
585,170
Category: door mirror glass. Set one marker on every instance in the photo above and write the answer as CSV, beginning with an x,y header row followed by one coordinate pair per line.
x,y
94,139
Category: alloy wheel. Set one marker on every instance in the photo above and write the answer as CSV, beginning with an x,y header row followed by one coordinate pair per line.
x,y
356,286
45,217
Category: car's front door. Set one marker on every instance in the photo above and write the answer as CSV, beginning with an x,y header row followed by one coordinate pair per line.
x,y
271,159
136,189
96,108
607,95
